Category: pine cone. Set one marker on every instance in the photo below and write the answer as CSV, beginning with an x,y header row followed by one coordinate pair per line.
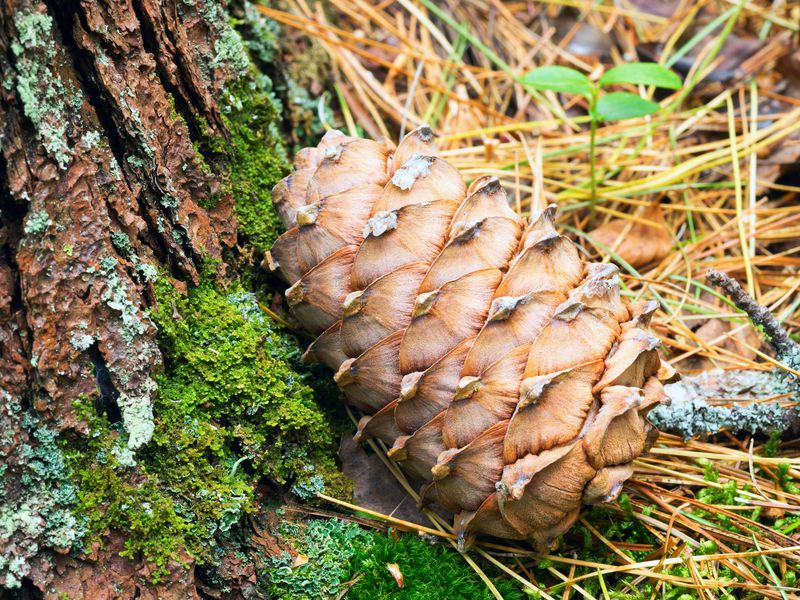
x,y
505,373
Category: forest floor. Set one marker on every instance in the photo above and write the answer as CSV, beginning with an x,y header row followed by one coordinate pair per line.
x,y
709,181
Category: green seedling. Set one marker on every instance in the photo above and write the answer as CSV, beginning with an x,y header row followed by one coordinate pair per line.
x,y
606,106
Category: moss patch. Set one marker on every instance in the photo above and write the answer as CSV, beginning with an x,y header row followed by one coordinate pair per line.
x,y
429,571
234,405
254,157
230,365
258,159
252,161
338,551
232,408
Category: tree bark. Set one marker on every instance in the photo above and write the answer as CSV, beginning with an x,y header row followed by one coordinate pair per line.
x,y
100,187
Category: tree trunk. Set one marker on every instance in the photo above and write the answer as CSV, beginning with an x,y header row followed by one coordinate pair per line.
x,y
103,108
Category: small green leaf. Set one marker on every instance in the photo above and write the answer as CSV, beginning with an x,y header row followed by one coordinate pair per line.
x,y
616,106
642,73
559,79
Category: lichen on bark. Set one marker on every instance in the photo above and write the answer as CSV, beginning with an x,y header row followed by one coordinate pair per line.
x,y
40,89
42,509
119,230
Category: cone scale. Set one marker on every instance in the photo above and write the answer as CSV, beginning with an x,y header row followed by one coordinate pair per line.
x,y
505,374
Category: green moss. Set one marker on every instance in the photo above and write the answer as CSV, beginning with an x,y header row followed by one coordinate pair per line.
x,y
231,409
338,551
258,161
253,157
231,365
252,161
429,571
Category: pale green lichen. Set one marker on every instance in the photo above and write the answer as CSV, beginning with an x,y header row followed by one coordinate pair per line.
x,y
697,417
247,305
114,169
692,411
169,202
141,131
229,50
135,405
116,296
41,91
135,161
123,455
309,485
148,272
336,551
329,546
263,41
91,139
37,222
137,414
122,243
304,111
41,512
81,341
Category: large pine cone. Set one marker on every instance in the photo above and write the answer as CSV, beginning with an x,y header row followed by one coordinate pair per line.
x,y
503,372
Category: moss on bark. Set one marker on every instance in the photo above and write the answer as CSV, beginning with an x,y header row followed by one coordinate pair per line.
x,y
234,405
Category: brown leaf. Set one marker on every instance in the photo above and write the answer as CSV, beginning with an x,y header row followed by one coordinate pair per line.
x,y
714,329
375,486
394,569
641,243
299,561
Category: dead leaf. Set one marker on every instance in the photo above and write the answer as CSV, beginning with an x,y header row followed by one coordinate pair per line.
x,y
376,488
641,243
714,329
299,561
394,569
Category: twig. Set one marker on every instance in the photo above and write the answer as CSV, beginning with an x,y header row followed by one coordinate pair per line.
x,y
712,401
406,108
777,336
739,401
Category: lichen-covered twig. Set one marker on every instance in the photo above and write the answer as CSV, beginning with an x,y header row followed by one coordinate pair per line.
x,y
777,336
719,400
